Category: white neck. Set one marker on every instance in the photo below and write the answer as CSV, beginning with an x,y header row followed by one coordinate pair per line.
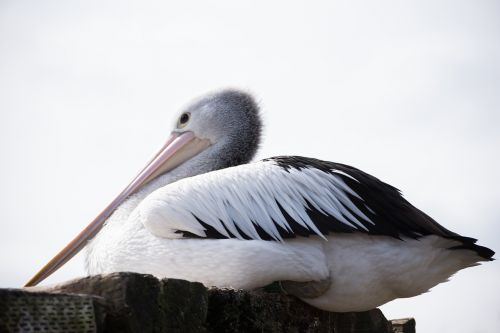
x,y
206,161
99,248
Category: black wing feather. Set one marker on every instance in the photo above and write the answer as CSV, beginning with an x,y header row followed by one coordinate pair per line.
x,y
390,213
382,203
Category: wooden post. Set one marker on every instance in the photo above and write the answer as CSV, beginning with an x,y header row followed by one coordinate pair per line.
x,y
129,302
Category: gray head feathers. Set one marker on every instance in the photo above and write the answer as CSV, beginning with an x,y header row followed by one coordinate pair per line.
x,y
232,121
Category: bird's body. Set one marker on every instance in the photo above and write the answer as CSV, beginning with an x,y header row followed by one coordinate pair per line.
x,y
333,235
188,230
366,271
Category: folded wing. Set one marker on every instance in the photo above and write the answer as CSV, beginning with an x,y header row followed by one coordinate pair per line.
x,y
283,197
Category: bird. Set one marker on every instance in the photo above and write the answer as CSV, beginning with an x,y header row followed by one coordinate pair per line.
x,y
330,234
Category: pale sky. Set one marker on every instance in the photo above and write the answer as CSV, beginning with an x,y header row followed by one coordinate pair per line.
x,y
408,91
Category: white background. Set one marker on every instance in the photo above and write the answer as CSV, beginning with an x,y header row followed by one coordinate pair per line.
x,y
408,91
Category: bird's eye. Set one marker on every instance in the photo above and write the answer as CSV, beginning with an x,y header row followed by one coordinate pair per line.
x,y
183,120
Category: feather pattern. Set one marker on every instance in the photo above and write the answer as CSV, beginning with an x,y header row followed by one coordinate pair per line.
x,y
283,197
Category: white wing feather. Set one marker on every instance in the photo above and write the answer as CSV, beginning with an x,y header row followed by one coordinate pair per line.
x,y
235,200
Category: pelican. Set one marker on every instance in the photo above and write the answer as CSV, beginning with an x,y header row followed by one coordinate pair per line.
x,y
330,234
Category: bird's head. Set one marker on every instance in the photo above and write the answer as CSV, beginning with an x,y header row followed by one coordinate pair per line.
x,y
219,115
229,120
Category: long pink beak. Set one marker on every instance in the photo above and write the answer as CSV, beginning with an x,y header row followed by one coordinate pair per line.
x,y
178,148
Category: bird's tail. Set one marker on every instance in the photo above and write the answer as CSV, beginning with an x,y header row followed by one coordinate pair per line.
x,y
467,243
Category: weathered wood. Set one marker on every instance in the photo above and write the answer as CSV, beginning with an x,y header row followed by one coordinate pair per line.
x,y
129,302
142,303
240,311
405,325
